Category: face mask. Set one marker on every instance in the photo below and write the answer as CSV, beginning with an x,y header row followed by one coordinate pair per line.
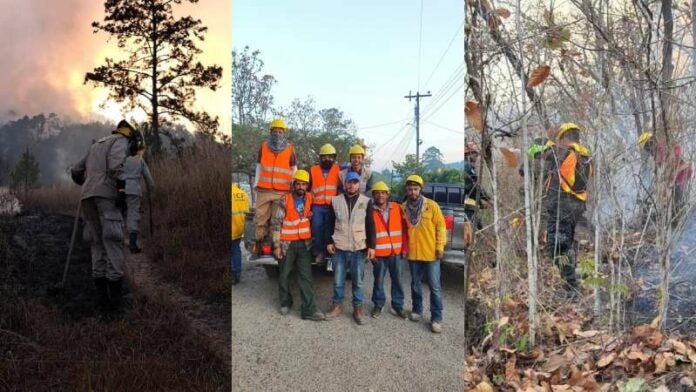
x,y
326,164
276,138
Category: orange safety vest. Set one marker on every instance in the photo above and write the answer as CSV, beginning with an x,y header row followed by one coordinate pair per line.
x,y
276,172
323,189
296,227
574,172
388,233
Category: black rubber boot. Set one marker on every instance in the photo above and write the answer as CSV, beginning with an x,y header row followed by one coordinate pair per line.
x,y
133,242
103,292
257,250
115,293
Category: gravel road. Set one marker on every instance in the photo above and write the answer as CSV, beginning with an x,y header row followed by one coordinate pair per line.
x,y
271,352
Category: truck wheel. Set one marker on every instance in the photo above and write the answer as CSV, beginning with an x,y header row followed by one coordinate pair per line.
x,y
272,271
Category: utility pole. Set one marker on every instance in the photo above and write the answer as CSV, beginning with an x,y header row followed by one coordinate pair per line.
x,y
416,111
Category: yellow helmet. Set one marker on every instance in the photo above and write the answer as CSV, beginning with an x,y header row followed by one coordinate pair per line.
x,y
356,150
644,138
565,127
301,175
327,149
278,123
380,186
415,178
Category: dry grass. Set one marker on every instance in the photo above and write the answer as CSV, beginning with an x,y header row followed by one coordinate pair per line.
x,y
61,198
151,350
191,237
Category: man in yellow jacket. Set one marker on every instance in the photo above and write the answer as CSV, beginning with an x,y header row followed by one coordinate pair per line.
x,y
240,206
425,246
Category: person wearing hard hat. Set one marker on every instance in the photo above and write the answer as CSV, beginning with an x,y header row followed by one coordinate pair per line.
x,y
356,154
274,170
102,177
135,168
389,235
324,180
292,241
239,207
425,247
476,197
566,192
351,241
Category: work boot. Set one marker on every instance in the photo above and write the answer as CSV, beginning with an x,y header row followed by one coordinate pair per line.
x,y
358,314
335,311
103,292
115,293
401,313
376,311
316,316
133,242
319,258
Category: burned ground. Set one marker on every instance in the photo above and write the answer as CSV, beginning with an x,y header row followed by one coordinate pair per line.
x,y
56,340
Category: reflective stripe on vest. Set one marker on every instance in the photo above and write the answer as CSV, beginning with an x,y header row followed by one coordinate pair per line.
x,y
276,172
296,227
323,189
388,233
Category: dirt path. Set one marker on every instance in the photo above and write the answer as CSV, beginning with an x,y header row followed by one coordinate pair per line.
x,y
271,352
207,320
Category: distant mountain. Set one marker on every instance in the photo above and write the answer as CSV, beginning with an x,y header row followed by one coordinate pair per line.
x,y
455,165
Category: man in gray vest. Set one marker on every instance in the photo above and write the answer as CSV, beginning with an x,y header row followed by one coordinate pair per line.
x,y
356,155
353,241
134,169
101,174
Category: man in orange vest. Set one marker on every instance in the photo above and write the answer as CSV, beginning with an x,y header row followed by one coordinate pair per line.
x,y
292,241
274,170
569,172
324,186
389,227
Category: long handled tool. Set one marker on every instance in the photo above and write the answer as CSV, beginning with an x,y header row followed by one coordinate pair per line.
x,y
72,244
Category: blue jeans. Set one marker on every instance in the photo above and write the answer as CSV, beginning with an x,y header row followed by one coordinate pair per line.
x,y
432,271
342,261
236,258
320,216
379,269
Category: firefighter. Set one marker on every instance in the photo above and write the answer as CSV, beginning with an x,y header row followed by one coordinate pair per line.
x,y
475,196
135,168
356,154
292,241
569,171
389,227
324,183
274,171
427,237
239,208
102,177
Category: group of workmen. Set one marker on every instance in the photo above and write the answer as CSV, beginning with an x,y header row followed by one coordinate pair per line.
x,y
110,174
339,213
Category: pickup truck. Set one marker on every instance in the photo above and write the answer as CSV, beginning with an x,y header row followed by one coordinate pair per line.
x,y
450,197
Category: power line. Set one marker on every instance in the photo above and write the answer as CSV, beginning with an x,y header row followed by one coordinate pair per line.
x,y
443,103
454,37
418,96
451,81
444,127
384,124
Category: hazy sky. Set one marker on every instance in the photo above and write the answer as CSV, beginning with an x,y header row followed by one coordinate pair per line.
x,y
362,56
48,46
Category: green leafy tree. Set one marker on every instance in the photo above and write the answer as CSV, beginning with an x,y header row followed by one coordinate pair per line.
x,y
432,159
161,73
445,176
25,175
404,169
